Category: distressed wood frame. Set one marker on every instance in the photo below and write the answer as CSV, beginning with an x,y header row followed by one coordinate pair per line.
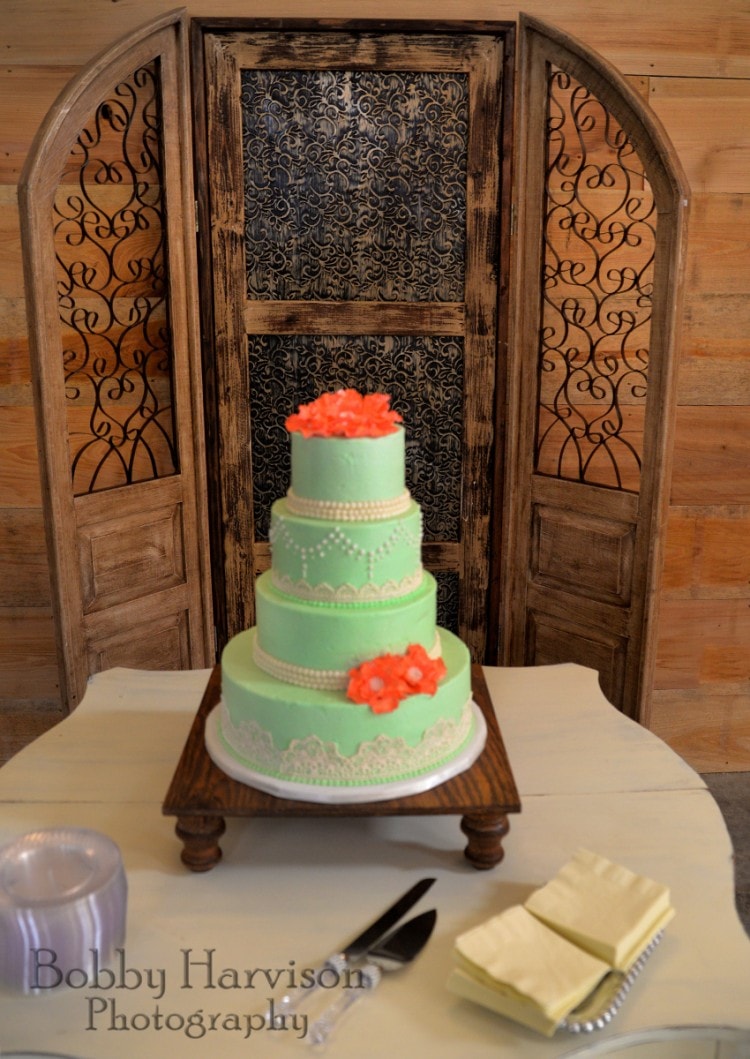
x,y
220,47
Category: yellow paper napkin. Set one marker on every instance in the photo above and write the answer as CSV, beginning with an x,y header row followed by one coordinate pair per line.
x,y
538,961
603,907
524,969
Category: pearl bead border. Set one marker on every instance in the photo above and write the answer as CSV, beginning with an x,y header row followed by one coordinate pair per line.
x,y
348,510
305,677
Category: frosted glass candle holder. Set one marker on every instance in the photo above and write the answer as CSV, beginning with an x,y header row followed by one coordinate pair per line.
x,y
63,906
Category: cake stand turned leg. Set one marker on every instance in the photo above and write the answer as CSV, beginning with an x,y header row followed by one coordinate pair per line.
x,y
485,833
200,836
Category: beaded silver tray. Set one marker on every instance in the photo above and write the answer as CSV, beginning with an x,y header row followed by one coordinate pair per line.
x,y
603,1003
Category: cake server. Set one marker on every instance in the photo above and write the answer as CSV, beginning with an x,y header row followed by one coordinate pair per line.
x,y
397,949
355,949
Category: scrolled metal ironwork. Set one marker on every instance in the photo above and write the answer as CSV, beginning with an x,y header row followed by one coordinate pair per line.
x,y
355,184
110,243
597,281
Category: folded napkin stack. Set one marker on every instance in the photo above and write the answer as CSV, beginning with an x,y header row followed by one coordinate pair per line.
x,y
536,962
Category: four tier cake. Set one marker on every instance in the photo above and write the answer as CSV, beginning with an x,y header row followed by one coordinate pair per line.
x,y
346,689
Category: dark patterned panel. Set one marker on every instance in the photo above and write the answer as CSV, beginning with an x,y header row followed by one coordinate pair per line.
x,y
447,599
355,184
111,253
424,377
598,280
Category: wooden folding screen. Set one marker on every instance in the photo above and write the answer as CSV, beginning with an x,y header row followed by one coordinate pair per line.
x,y
354,183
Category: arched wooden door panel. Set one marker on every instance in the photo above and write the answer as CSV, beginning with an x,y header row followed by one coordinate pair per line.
x,y
108,231
602,211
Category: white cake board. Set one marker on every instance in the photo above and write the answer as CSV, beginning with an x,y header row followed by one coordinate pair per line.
x,y
349,795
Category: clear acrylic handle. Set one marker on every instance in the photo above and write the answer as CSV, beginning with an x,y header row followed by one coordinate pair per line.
x,y
324,1026
295,998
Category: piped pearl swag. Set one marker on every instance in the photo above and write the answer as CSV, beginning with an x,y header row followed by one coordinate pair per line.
x,y
337,539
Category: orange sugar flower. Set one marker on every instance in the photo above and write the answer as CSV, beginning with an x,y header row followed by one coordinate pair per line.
x,y
345,414
421,672
378,684
383,682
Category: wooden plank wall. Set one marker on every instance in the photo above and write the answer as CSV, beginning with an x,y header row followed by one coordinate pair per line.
x,y
692,60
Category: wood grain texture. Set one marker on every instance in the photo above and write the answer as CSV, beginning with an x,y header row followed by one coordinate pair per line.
x,y
720,239
346,318
704,641
11,276
19,456
26,94
715,363
708,124
712,455
709,726
23,721
708,553
674,38
578,551
24,573
28,663
15,369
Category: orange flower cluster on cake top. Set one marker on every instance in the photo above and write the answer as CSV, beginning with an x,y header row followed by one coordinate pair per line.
x,y
345,414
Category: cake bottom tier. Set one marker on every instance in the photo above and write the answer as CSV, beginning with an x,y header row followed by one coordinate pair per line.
x,y
314,737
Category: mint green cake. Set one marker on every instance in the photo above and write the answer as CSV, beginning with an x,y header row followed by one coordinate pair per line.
x,y
346,688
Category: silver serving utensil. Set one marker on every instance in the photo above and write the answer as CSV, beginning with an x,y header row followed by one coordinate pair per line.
x,y
353,951
399,948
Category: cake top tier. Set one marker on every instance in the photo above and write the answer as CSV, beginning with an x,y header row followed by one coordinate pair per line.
x,y
348,456
345,414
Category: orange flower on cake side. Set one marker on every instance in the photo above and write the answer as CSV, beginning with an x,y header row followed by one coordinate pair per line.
x,y
383,682
422,673
345,414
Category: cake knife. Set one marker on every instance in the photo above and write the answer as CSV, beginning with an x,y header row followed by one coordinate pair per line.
x,y
353,950
400,947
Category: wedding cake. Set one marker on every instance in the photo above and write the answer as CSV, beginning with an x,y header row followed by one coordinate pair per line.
x,y
345,689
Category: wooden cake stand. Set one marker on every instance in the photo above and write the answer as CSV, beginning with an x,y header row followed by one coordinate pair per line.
x,y
201,795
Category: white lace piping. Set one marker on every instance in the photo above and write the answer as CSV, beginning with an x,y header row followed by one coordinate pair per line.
x,y
369,593
311,760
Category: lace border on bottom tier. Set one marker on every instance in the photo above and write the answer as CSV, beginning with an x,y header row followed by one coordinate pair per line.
x,y
311,760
